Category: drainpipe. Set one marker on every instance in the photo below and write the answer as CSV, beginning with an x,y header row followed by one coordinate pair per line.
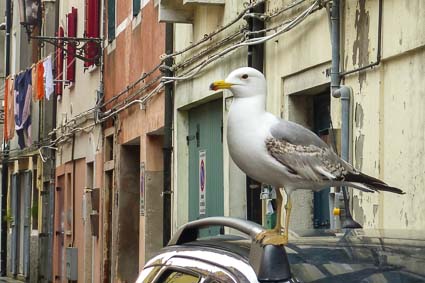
x,y
5,171
168,136
255,59
73,190
256,52
335,41
344,94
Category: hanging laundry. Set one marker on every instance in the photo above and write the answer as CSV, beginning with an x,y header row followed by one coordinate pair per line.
x,y
48,76
9,125
40,81
34,81
23,94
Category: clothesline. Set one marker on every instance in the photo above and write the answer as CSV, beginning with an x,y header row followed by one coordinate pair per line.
x,y
41,60
34,83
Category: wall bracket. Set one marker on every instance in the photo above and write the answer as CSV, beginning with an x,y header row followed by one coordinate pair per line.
x,y
77,46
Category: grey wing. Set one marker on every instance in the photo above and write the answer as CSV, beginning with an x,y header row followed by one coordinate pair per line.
x,y
305,154
296,134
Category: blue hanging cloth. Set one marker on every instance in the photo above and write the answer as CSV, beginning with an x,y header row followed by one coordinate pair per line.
x,y
23,94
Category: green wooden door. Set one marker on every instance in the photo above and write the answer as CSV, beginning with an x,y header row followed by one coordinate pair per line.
x,y
205,141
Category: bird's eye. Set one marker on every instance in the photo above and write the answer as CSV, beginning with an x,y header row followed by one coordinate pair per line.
x,y
244,76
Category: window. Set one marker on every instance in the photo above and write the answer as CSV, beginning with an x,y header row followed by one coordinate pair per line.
x,y
91,29
175,276
136,7
148,274
111,20
70,58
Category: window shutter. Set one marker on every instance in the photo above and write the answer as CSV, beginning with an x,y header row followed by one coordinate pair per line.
x,y
70,58
136,7
92,28
59,64
111,20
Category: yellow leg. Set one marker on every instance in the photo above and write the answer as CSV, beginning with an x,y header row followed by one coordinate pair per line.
x,y
279,200
274,236
288,208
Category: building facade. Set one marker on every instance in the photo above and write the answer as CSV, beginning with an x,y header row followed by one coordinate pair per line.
x,y
373,48
77,244
132,143
133,137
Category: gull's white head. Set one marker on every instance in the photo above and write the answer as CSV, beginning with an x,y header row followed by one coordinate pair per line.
x,y
243,82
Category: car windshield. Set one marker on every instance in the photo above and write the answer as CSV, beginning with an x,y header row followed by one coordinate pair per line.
x,y
357,256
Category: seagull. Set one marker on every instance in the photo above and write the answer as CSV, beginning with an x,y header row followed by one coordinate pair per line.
x,y
281,153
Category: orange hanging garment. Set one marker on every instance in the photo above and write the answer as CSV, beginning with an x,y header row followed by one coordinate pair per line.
x,y
34,81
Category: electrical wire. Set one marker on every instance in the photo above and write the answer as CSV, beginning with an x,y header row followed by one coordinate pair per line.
x,y
214,33
278,12
246,42
72,126
161,64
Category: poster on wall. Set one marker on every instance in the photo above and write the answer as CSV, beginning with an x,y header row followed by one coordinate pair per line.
x,y
142,189
202,181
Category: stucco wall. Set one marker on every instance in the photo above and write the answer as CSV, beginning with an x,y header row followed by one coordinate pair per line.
x,y
193,92
78,97
388,137
387,120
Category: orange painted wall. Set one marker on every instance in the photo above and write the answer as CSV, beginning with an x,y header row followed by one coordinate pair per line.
x,y
137,51
72,208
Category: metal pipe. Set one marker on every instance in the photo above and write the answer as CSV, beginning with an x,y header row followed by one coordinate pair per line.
x,y
5,171
168,136
335,40
256,61
73,190
256,52
345,94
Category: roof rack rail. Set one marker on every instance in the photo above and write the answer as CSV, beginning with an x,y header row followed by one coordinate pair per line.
x,y
189,231
269,262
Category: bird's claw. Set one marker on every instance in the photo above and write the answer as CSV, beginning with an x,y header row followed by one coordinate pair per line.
x,y
271,237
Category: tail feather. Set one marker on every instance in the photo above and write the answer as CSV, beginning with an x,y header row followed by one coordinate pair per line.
x,y
362,180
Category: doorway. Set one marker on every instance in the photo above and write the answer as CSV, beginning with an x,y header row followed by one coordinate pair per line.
x,y
205,141
21,224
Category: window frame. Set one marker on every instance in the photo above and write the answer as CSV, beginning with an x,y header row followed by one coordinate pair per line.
x,y
167,270
111,32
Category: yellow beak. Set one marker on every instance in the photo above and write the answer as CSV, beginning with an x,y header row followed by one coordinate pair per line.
x,y
220,85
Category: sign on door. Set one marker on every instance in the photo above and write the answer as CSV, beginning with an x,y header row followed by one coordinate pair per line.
x,y
202,181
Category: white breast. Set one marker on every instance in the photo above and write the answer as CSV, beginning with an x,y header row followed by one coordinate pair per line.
x,y
248,128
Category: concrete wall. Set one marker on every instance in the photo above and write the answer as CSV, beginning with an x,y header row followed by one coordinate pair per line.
x,y
295,62
386,140
388,137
